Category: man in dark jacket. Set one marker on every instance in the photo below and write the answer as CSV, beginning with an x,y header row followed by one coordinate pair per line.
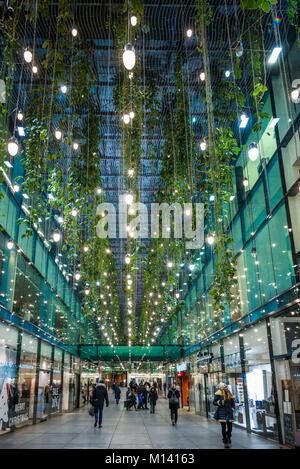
x,y
99,396
174,396
117,393
153,396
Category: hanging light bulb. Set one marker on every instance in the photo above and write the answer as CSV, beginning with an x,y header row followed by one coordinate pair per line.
x,y
13,146
28,56
177,295
10,244
64,89
77,276
295,94
20,116
16,187
202,76
129,199
169,264
210,239
245,182
87,291
203,145
86,248
239,50
253,151
129,57
75,146
131,114
98,191
126,119
56,236
127,259
189,33
34,69
58,134
192,267
74,32
130,172
133,20
74,212
227,73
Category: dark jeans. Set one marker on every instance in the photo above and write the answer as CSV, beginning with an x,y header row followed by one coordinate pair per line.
x,y
226,434
117,400
174,414
98,414
152,407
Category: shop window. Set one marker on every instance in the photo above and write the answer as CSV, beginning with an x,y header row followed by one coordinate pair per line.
x,y
44,400
56,389
259,382
26,378
233,370
8,374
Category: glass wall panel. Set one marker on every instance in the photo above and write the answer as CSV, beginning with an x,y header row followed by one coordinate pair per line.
x,y
56,390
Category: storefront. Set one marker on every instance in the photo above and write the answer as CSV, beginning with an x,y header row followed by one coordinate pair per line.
x,y
36,379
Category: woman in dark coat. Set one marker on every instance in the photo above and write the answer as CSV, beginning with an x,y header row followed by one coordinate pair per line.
x,y
174,396
224,401
153,396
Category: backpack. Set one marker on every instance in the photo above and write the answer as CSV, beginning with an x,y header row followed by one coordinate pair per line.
x,y
173,400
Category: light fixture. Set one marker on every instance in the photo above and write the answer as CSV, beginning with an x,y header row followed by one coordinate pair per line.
x,y
86,248
126,119
274,122
10,244
74,32
127,259
74,212
210,239
192,267
203,145
133,20
177,295
87,291
75,146
189,33
60,220
131,114
58,134
34,69
20,116
129,57
16,187
253,151
131,172
56,236
63,89
202,76
295,94
129,199
227,73
274,55
245,182
21,131
13,146
98,191
244,121
28,56
239,50
170,264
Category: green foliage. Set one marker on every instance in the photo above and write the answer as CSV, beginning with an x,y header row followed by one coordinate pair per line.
x,y
264,5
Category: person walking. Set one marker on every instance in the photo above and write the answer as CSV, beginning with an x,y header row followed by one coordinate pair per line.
x,y
174,396
153,396
117,393
225,403
145,392
99,396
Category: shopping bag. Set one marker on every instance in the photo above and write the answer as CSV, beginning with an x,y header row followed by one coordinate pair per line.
x,y
91,411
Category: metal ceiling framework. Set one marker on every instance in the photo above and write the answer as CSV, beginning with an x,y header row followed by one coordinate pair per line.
x,y
163,37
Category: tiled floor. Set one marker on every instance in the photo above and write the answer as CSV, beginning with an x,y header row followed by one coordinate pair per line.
x,y
134,429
